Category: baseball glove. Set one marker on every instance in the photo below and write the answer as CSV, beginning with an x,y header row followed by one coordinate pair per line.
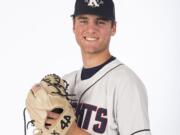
x,y
51,95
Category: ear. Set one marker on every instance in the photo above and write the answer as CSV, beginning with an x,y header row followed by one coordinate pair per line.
x,y
113,30
73,21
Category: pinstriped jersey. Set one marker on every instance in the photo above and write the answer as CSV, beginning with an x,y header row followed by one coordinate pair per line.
x,y
112,102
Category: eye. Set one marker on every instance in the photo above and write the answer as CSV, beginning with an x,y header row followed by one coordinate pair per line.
x,y
82,21
101,22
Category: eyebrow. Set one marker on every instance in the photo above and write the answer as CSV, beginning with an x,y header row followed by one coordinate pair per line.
x,y
98,18
102,18
81,17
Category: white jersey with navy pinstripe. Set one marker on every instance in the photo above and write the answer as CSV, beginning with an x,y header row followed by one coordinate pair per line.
x,y
112,102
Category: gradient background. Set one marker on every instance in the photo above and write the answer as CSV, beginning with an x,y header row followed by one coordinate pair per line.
x,y
36,38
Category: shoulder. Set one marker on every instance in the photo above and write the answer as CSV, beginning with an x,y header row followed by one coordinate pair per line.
x,y
123,79
122,73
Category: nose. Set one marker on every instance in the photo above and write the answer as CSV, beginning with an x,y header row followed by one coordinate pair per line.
x,y
92,27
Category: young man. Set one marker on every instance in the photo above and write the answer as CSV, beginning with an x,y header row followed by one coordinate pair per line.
x,y
111,99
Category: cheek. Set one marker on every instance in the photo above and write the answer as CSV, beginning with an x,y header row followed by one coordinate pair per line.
x,y
78,36
77,31
106,35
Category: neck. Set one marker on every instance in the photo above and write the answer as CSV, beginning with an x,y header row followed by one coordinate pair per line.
x,y
93,60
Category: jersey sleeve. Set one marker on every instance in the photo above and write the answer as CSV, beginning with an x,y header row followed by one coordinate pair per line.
x,y
131,107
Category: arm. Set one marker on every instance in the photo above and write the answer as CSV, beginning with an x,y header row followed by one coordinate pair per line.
x,y
132,106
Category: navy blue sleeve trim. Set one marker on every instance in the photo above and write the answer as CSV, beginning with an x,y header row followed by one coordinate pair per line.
x,y
140,131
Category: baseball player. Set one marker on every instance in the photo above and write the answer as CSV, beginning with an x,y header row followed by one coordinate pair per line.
x,y
112,100
109,97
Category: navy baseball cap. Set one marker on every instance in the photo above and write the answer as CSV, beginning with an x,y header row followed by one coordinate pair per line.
x,y
103,8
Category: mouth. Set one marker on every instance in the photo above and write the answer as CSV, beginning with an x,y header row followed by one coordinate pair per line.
x,y
91,38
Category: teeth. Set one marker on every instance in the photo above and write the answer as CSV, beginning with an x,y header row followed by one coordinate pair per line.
x,y
90,38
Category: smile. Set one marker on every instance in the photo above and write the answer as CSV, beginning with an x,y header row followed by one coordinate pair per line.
x,y
90,38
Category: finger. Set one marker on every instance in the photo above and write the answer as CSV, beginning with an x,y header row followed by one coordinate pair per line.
x,y
36,87
52,115
50,121
47,125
